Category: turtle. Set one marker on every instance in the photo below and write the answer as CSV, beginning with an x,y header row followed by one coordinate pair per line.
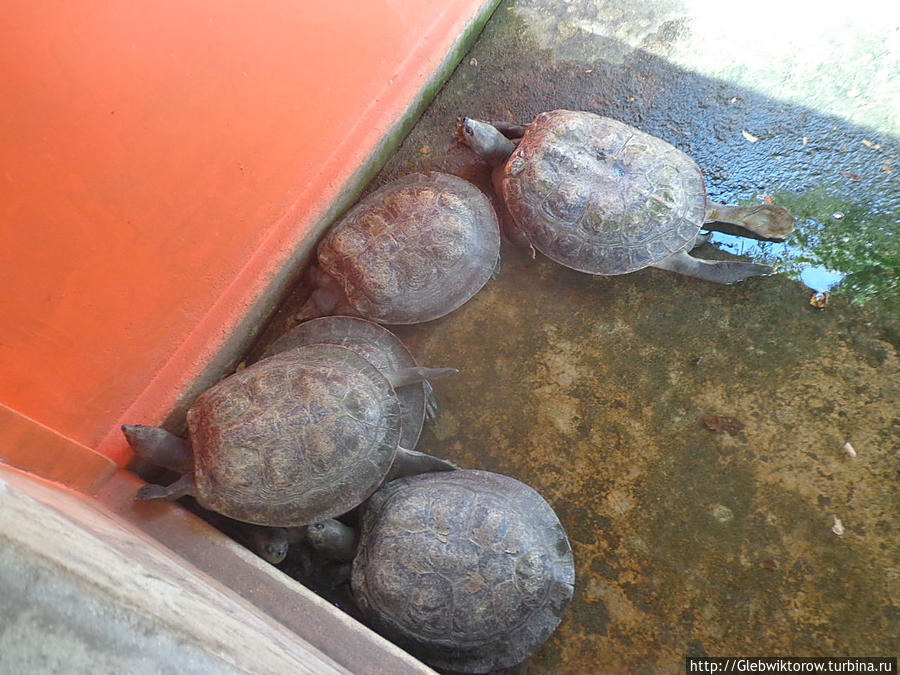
x,y
412,251
601,197
381,348
470,571
296,438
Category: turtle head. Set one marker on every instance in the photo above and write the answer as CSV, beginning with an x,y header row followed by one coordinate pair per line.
x,y
486,141
270,543
333,539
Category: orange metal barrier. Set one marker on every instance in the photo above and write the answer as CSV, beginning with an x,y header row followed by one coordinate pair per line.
x,y
164,164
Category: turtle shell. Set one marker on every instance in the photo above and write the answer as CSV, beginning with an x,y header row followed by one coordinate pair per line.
x,y
413,250
470,571
296,438
600,196
375,344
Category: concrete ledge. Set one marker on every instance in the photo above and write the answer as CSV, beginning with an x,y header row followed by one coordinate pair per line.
x,y
85,591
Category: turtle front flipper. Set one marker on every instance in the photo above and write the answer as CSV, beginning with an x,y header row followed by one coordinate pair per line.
x,y
160,447
765,221
717,271
511,130
412,462
182,487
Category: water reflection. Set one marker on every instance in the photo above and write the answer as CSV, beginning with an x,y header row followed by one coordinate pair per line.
x,y
838,245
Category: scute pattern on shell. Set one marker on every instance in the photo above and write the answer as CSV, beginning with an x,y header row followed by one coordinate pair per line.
x,y
602,197
413,250
296,438
375,344
469,570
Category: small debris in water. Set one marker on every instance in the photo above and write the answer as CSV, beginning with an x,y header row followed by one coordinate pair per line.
x,y
750,137
769,564
722,513
838,527
819,299
851,453
850,175
425,150
473,61
718,424
805,140
837,215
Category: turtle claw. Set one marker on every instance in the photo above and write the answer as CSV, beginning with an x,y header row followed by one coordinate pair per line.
x,y
151,491
431,405
180,488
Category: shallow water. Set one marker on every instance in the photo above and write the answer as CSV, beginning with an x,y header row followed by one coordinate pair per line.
x,y
689,435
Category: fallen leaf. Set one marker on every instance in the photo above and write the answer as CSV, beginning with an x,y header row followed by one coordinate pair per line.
x,y
819,300
473,61
767,199
838,526
886,168
750,137
868,144
851,176
589,70
424,150
718,424
805,141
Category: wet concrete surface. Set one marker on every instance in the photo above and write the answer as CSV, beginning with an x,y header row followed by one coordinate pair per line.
x,y
688,435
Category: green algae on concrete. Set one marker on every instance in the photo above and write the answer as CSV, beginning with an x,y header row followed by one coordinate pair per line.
x,y
858,240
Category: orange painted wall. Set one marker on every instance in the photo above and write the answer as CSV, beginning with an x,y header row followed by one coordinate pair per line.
x,y
160,162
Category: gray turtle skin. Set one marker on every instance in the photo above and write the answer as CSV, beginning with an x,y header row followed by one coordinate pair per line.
x,y
378,346
412,251
602,197
470,571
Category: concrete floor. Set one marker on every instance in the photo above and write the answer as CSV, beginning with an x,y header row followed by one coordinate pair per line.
x,y
600,392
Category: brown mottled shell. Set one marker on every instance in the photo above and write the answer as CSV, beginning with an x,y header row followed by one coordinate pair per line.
x,y
600,196
468,570
375,344
413,250
296,438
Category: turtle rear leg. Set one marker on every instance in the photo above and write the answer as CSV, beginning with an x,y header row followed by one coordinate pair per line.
x,y
182,487
160,447
717,271
412,462
765,221
413,374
